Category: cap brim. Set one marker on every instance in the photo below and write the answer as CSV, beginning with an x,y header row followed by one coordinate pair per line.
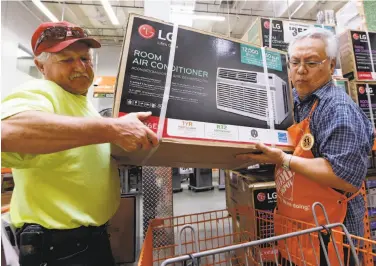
x,y
92,43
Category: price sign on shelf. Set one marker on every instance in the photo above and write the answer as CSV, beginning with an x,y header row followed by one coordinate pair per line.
x,y
185,171
291,29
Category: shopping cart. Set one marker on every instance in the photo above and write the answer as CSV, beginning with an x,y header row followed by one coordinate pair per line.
x,y
246,236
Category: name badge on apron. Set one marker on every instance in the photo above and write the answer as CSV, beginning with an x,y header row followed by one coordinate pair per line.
x,y
307,142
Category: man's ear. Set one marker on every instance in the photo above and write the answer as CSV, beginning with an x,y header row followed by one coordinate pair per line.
x,y
39,65
333,63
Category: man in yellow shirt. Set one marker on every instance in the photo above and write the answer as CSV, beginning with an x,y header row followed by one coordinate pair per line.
x,y
58,146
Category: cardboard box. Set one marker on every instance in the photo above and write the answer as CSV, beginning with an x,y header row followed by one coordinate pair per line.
x,y
357,15
261,197
282,31
258,196
237,182
233,181
255,191
227,188
358,92
358,55
216,103
350,16
251,190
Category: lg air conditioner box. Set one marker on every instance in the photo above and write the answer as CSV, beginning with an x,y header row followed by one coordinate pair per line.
x,y
244,93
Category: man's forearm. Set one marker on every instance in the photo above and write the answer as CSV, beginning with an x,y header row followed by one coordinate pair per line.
x,y
36,132
319,170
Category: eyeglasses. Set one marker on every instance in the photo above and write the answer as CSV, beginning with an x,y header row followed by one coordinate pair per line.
x,y
60,33
310,64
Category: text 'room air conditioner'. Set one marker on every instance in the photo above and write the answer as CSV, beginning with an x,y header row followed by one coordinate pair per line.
x,y
244,93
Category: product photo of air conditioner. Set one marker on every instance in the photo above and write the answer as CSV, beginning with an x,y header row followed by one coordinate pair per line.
x,y
244,93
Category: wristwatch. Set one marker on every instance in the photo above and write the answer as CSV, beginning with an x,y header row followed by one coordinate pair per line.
x,y
286,162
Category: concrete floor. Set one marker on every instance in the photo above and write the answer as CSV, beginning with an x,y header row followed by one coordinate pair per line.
x,y
187,201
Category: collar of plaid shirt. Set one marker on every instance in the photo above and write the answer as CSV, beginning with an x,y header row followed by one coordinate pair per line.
x,y
319,93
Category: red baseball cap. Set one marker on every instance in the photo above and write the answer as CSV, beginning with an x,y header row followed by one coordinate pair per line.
x,y
54,46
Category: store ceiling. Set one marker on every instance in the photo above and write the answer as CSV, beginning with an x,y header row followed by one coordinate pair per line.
x,y
239,14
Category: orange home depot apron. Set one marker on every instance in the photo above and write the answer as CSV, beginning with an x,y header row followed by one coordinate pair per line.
x,y
295,196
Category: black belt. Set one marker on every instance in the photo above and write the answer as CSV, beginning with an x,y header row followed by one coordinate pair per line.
x,y
38,243
61,235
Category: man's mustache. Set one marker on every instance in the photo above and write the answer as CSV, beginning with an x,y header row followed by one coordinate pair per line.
x,y
78,75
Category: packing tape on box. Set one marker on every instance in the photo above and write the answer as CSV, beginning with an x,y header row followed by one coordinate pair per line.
x,y
166,94
268,91
370,105
270,32
370,53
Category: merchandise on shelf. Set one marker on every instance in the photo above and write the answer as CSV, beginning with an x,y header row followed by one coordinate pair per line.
x,y
282,31
325,17
358,55
357,15
220,101
358,92
104,86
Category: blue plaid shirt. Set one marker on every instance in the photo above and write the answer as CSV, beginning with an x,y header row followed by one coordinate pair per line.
x,y
343,136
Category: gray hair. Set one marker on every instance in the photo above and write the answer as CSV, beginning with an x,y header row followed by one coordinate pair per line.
x,y
329,38
43,57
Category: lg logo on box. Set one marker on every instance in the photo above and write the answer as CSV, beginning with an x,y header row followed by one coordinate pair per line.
x,y
147,32
357,36
275,26
363,89
262,197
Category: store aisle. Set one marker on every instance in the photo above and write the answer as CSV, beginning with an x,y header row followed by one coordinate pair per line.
x,y
187,201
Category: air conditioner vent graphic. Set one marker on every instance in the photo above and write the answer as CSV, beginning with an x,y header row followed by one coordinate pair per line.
x,y
237,75
254,101
244,93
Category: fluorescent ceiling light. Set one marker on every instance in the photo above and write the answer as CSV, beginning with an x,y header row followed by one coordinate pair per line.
x,y
110,12
45,10
21,54
297,9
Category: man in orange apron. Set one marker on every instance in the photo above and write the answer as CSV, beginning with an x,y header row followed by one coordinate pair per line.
x,y
332,139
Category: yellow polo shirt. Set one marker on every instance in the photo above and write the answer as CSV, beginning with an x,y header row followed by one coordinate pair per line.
x,y
61,190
